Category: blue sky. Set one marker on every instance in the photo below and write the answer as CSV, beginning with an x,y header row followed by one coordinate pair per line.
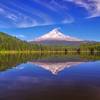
x,y
28,19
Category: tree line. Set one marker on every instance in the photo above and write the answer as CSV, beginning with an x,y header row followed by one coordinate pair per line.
x,y
9,43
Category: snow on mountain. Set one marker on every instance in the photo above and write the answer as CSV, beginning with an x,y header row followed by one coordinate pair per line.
x,y
56,35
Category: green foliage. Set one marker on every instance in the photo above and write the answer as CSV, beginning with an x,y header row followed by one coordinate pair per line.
x,y
12,43
90,47
8,61
9,43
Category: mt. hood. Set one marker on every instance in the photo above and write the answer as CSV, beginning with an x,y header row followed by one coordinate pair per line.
x,y
56,35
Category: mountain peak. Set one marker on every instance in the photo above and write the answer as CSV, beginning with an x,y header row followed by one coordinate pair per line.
x,y
55,30
56,35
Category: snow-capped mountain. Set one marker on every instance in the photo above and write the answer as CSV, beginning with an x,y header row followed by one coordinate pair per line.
x,y
56,35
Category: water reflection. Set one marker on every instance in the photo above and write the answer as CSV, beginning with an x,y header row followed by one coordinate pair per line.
x,y
52,62
55,67
49,77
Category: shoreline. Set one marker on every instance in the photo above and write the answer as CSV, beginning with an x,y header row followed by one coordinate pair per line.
x,y
15,52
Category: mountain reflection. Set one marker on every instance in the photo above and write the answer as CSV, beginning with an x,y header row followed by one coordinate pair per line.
x,y
55,67
52,62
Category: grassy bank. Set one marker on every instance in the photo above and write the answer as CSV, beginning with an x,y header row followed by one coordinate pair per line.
x,y
45,51
13,52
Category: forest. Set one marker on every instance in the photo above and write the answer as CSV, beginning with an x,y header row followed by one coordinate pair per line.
x,y
9,43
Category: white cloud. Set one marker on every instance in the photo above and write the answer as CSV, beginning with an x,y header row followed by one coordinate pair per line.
x,y
25,21
12,17
68,19
35,17
96,11
92,6
17,20
8,14
2,10
56,8
48,5
21,20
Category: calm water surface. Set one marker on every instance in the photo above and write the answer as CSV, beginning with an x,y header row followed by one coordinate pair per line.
x,y
42,77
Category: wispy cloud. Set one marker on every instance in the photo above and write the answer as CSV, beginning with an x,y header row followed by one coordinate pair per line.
x,y
17,20
43,12
12,16
55,7
2,10
29,16
68,19
92,6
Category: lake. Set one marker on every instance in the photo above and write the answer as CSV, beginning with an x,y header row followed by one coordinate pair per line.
x,y
49,77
